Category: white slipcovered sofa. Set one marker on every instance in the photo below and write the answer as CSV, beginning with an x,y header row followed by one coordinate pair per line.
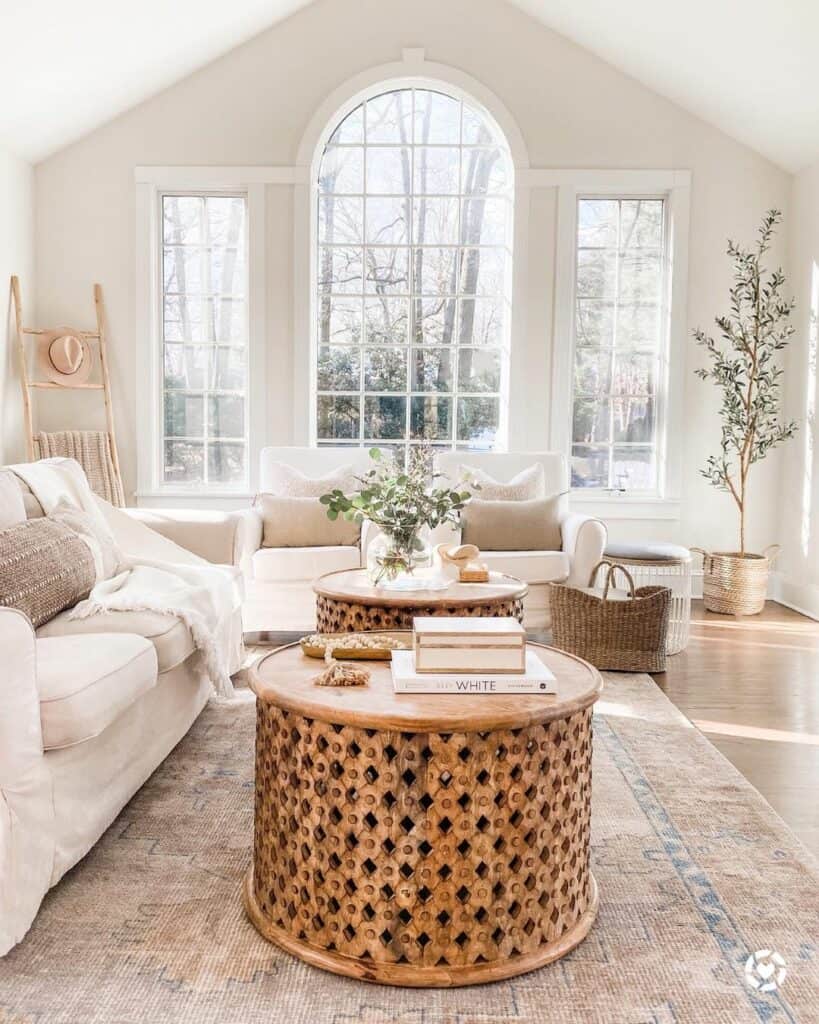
x,y
583,537
88,709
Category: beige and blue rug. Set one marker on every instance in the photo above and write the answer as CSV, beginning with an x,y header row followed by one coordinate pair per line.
x,y
695,870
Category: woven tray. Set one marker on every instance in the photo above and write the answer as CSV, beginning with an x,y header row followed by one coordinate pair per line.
x,y
314,649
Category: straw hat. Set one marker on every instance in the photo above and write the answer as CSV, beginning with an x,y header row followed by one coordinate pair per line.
x,y
64,356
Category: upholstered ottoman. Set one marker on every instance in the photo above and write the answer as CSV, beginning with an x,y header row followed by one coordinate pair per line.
x,y
666,565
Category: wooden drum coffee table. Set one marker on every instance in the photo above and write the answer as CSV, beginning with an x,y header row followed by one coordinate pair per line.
x,y
346,601
420,839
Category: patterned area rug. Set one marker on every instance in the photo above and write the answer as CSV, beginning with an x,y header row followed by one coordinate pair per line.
x,y
695,871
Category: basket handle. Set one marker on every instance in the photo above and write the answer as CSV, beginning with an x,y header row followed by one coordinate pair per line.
x,y
706,555
775,548
595,570
613,567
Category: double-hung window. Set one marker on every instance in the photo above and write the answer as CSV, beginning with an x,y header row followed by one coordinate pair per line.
x,y
620,329
204,339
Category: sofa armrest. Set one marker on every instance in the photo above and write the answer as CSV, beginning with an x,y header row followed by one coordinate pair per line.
x,y
584,540
26,804
248,538
216,537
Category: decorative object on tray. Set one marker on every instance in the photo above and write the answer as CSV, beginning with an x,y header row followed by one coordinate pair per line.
x,y
355,646
405,504
621,631
460,562
743,367
665,565
466,644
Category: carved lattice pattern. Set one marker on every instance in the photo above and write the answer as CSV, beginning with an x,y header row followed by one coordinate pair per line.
x,y
337,616
422,848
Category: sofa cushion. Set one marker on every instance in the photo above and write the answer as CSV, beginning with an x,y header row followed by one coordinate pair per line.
x,y
287,564
302,523
288,482
31,503
86,682
44,567
169,635
528,484
12,507
514,525
530,566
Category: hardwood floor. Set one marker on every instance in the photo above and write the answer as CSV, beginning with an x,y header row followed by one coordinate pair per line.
x,y
752,687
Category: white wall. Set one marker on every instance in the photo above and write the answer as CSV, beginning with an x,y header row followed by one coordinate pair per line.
x,y
252,107
799,563
16,257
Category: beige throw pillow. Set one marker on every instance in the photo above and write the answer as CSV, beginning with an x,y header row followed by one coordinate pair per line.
x,y
45,567
12,506
288,482
514,525
104,549
303,523
528,484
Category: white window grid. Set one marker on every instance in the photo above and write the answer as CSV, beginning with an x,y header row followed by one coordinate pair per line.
x,y
213,346
412,296
660,353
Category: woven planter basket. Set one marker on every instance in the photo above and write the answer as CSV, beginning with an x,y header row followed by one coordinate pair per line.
x,y
735,584
617,635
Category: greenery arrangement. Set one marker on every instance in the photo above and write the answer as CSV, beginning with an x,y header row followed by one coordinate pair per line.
x,y
743,366
401,501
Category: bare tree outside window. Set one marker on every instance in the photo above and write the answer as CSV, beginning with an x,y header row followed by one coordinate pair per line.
x,y
204,336
619,340
414,260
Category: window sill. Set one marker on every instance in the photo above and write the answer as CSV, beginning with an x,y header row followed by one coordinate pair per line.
x,y
193,499
607,506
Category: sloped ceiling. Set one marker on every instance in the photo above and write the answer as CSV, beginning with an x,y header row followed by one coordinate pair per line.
x,y
749,67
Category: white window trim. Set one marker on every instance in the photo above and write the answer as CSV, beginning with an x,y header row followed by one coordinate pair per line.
x,y
675,187
151,183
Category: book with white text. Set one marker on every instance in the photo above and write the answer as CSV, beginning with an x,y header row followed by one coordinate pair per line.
x,y
537,678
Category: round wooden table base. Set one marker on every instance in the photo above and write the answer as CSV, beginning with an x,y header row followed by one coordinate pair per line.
x,y
337,616
422,858
427,977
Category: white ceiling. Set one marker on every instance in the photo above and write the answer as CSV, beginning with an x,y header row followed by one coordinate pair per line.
x,y
748,66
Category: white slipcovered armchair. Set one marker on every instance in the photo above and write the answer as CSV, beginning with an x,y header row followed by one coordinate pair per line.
x,y
583,537
278,581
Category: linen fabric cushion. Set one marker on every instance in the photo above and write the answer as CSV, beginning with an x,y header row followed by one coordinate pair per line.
x,y
289,482
44,567
303,523
103,547
528,484
514,525
12,506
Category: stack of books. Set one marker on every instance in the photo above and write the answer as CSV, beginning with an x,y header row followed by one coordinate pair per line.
x,y
470,655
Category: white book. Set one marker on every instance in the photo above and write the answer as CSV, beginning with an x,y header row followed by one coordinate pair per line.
x,y
536,679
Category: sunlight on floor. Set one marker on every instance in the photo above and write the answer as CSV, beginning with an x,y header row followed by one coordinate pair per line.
x,y
753,732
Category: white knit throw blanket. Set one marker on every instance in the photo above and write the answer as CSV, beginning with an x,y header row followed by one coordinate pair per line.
x,y
196,594
202,596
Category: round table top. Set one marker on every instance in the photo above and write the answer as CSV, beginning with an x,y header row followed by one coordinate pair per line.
x,y
354,586
285,677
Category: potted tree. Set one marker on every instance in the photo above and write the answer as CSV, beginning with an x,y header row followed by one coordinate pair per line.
x,y
743,365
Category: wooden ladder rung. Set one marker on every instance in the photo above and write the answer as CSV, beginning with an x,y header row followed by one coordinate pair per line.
x,y
64,387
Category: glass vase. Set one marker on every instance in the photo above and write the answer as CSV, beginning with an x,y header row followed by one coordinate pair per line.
x,y
392,560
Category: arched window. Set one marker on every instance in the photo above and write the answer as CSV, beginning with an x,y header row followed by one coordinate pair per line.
x,y
415,193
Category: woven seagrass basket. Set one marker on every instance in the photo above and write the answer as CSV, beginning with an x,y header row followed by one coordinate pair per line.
x,y
620,635
735,584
